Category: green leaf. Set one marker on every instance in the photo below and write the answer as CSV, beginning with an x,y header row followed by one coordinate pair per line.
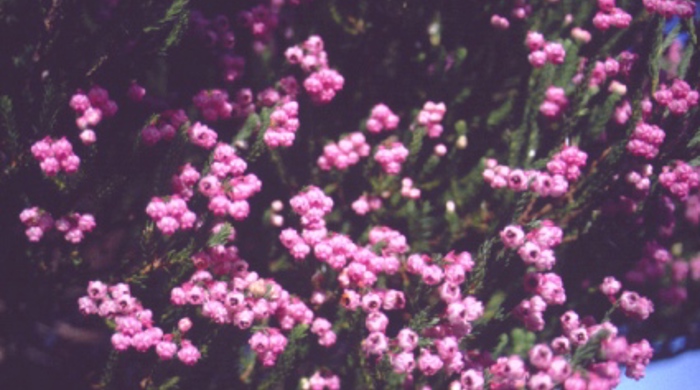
x,y
221,237
461,127
690,25
175,11
8,121
585,353
497,116
695,162
695,141
170,384
424,319
459,56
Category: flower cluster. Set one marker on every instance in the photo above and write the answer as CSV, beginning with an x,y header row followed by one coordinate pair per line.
x,y
430,117
261,20
564,167
390,156
37,222
499,22
171,215
408,190
74,226
268,344
610,16
521,9
581,35
555,102
568,163
623,111
455,321
215,32
164,128
610,287
311,205
640,179
202,136
635,305
346,153
91,108
365,204
692,209
321,382
213,104
645,140
55,156
136,92
310,55
543,52
242,300
679,179
226,187
381,119
184,182
321,327
671,8
134,323
651,266
322,82
268,97
231,66
602,70
679,98
535,248
283,125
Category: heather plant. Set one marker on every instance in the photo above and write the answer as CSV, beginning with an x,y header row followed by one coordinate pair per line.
x,y
371,194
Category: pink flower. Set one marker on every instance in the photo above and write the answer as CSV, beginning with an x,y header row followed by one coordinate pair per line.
x,y
403,362
540,381
540,356
636,306
512,236
121,342
375,344
407,339
472,379
555,53
166,350
428,363
610,286
499,22
376,322
534,40
188,353
202,136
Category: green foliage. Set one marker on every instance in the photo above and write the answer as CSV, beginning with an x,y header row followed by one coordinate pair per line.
x,y
587,352
657,48
8,123
176,19
422,320
170,384
522,341
221,237
173,13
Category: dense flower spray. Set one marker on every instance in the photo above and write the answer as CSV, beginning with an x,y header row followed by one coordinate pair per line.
x,y
361,195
